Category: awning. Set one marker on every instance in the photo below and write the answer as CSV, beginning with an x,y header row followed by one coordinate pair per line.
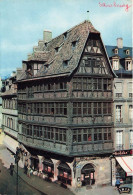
x,y
11,143
126,163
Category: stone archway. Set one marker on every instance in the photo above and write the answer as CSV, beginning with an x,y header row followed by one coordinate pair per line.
x,y
48,167
64,173
88,174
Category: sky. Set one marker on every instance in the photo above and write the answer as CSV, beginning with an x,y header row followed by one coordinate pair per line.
x,y
22,23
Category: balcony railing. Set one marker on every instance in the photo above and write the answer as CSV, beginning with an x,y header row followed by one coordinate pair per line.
x,y
118,95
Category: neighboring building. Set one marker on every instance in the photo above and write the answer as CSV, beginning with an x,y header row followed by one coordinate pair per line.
x,y
0,106
9,112
122,63
65,102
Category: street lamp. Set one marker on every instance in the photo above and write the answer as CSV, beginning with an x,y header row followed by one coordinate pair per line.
x,y
17,158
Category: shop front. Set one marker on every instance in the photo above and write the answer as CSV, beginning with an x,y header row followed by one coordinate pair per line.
x,y
48,168
64,173
123,168
34,163
88,175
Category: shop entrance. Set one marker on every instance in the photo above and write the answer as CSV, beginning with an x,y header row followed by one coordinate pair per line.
x,y
35,163
64,173
87,175
48,167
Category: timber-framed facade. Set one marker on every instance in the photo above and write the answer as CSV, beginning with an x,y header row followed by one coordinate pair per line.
x,y
65,102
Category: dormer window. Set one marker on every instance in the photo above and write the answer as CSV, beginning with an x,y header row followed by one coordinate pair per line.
x,y
128,65
74,44
36,67
46,44
127,52
57,49
115,64
65,35
65,63
116,51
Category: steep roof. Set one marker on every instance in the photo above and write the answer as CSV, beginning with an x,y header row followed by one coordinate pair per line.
x,y
60,49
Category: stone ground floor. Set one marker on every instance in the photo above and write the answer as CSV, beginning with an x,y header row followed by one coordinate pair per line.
x,y
48,188
74,172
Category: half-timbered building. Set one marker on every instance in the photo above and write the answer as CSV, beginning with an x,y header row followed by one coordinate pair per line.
x,y
65,107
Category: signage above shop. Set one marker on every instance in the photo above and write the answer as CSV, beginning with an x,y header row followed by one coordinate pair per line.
x,y
123,152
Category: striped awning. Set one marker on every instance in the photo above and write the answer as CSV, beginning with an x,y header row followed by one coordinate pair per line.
x,y
126,163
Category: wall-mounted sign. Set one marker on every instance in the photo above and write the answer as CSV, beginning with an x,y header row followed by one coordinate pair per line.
x,y
123,152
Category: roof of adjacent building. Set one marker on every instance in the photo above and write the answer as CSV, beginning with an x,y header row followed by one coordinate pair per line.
x,y
121,51
53,60
121,55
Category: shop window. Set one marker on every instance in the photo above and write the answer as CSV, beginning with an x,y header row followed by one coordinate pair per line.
x,y
118,113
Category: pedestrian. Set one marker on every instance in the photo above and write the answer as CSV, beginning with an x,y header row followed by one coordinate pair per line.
x,y
25,167
11,169
28,171
117,184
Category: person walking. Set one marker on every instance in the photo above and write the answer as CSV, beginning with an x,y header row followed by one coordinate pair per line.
x,y
11,169
28,171
117,184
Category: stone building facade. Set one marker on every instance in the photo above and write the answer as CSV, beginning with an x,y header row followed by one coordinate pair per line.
x,y
10,112
65,107
122,63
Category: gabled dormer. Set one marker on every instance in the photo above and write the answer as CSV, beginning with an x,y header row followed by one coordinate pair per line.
x,y
128,64
115,63
127,51
115,51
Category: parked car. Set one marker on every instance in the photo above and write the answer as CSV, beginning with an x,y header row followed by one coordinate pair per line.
x,y
125,188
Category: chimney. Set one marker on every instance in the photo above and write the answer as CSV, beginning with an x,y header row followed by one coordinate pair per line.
x,y
19,72
119,42
47,36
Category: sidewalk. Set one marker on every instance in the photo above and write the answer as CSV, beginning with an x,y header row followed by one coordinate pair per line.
x,y
41,185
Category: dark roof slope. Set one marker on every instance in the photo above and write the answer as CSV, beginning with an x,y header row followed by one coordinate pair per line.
x,y
121,51
53,60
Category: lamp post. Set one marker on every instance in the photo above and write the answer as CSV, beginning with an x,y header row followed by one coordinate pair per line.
x,y
17,158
